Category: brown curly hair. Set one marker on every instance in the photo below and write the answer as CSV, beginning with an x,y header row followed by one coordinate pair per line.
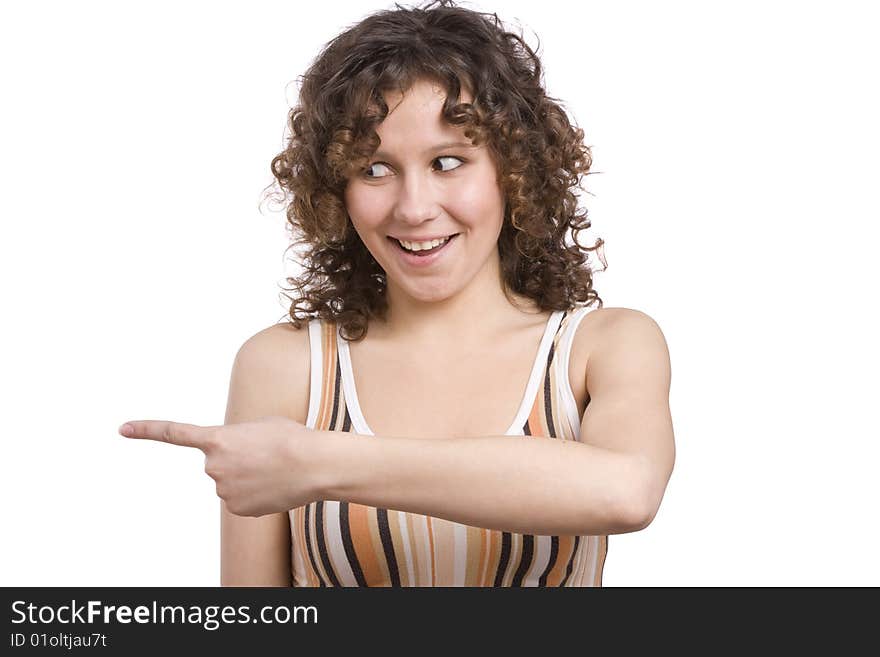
x,y
539,156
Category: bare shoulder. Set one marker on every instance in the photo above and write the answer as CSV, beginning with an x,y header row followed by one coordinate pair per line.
x,y
273,350
271,372
604,324
624,338
606,330
612,321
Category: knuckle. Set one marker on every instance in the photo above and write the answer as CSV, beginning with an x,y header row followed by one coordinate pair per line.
x,y
212,439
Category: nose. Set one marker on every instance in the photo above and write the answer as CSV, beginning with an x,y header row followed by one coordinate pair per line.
x,y
416,201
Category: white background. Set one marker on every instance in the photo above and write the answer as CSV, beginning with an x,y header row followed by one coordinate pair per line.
x,y
738,147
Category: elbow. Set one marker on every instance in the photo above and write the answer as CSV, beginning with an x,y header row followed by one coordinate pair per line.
x,y
640,506
641,515
635,514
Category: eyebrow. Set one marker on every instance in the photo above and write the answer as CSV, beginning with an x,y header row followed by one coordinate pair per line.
x,y
432,149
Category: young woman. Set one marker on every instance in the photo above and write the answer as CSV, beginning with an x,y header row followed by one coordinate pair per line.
x,y
450,404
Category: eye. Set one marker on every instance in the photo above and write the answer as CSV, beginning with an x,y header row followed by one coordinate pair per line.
x,y
450,157
375,164
454,159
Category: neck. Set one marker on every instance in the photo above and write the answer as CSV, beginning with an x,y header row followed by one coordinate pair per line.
x,y
472,315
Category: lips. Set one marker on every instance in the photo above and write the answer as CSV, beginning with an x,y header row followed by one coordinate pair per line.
x,y
425,257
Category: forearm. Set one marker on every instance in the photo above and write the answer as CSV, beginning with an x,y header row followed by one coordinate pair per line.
x,y
519,484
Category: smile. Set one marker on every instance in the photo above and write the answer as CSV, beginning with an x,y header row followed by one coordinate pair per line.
x,y
422,254
424,246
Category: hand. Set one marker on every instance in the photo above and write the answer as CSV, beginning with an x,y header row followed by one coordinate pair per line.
x,y
262,466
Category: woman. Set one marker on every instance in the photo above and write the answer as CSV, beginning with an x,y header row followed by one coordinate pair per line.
x,y
442,312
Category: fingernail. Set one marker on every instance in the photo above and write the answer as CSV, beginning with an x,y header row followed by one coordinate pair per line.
x,y
126,430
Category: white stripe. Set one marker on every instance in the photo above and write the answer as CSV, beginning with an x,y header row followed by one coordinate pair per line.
x,y
407,554
540,559
525,406
590,570
576,559
576,578
563,381
427,556
298,565
351,397
513,561
459,565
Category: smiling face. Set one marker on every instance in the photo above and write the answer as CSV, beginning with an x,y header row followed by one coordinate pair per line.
x,y
426,181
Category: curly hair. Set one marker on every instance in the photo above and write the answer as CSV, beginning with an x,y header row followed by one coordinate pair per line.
x,y
539,157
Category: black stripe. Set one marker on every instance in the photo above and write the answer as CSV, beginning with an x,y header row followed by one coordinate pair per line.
x,y
526,429
528,549
554,554
505,556
346,422
548,412
388,545
548,407
309,547
560,328
337,378
322,545
577,540
350,554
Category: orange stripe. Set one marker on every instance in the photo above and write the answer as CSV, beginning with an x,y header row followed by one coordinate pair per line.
x,y
378,550
535,424
415,546
294,548
359,525
397,542
473,555
310,573
327,375
484,558
557,415
563,554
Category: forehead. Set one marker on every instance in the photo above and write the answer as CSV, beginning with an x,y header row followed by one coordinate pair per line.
x,y
415,118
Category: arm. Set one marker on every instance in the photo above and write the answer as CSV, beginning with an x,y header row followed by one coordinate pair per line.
x,y
256,551
610,482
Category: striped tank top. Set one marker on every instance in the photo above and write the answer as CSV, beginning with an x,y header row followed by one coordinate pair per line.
x,y
345,544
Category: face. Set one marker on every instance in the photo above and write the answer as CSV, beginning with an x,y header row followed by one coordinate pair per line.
x,y
426,182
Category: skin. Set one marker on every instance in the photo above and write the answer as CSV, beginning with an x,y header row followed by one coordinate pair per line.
x,y
265,461
413,189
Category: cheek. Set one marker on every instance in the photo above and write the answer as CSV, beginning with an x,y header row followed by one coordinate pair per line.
x,y
480,202
365,210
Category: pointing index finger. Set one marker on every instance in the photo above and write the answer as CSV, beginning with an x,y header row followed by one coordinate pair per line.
x,y
175,433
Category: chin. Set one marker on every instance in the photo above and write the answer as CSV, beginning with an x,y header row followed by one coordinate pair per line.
x,y
429,295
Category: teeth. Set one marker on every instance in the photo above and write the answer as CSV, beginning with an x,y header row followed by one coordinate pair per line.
x,y
422,246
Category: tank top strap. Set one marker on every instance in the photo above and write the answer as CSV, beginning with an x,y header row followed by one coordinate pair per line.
x,y
536,418
327,408
567,403
553,412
